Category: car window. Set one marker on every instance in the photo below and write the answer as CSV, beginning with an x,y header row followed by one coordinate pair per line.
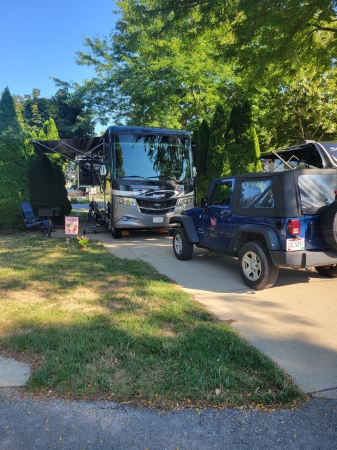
x,y
316,191
221,194
251,191
267,200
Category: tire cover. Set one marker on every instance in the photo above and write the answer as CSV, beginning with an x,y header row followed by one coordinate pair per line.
x,y
329,225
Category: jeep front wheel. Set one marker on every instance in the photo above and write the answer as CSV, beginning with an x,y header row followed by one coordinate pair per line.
x,y
182,247
328,271
256,267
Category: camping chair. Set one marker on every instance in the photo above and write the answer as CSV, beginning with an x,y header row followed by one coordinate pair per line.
x,y
31,221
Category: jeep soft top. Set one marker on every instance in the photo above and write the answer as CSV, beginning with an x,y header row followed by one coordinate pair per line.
x,y
304,155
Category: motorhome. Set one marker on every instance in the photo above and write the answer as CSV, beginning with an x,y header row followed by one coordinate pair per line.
x,y
146,173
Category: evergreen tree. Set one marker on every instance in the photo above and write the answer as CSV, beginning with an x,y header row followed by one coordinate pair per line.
x,y
46,177
50,130
203,136
217,158
13,165
242,141
202,147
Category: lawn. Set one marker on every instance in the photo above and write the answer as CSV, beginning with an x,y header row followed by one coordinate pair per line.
x,y
96,326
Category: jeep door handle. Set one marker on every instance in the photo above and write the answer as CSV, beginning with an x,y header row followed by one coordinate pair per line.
x,y
224,213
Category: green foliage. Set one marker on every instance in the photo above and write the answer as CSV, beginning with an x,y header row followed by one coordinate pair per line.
x,y
50,130
13,165
273,39
201,138
217,159
157,78
73,118
9,124
203,147
47,183
46,177
241,141
303,108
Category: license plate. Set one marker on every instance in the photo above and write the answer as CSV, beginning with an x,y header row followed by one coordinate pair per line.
x,y
158,219
295,244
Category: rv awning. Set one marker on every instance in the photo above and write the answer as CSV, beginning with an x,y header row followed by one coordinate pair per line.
x,y
83,146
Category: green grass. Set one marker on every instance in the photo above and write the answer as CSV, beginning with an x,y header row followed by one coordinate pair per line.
x,y
102,327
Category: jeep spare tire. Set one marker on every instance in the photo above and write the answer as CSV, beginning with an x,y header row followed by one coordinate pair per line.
x,y
329,225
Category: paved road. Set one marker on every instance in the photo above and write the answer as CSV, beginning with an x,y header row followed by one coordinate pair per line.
x,y
30,424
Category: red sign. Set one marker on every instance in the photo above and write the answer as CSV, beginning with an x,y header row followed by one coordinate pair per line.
x,y
213,222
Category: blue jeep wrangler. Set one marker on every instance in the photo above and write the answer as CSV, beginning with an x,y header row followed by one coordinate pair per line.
x,y
267,221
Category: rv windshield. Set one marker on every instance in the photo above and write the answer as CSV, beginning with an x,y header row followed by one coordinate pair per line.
x,y
153,156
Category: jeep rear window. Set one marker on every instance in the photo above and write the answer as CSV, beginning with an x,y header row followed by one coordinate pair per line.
x,y
316,191
252,191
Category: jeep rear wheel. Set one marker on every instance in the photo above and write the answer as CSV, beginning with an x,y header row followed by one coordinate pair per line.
x,y
256,267
329,225
182,247
328,271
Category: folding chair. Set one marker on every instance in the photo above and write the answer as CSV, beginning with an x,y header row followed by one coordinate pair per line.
x,y
31,221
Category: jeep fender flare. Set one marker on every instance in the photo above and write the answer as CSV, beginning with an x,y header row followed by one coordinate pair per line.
x,y
267,232
189,227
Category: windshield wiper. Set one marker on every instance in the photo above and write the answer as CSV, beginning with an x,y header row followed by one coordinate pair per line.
x,y
163,176
132,176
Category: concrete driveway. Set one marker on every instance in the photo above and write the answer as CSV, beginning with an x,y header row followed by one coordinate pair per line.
x,y
294,323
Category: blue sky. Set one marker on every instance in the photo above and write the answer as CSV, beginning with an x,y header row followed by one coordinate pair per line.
x,y
40,38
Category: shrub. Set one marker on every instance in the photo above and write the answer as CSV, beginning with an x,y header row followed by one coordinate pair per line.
x,y
13,165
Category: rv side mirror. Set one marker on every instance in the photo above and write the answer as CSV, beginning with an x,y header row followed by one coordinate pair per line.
x,y
203,203
194,171
102,170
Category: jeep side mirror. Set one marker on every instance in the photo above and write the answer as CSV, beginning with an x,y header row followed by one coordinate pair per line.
x,y
203,203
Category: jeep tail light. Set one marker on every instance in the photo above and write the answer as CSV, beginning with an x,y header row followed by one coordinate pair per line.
x,y
294,227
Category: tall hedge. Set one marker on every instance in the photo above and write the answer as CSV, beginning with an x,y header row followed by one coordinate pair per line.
x,y
203,136
13,165
47,183
242,141
46,177
217,158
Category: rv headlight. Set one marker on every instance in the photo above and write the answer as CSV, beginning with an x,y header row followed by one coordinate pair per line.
x,y
185,200
127,201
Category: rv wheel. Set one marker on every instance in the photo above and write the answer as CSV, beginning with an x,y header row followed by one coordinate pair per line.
x,y
116,233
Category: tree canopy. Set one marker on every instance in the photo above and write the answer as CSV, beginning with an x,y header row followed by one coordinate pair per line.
x,y
73,118
169,64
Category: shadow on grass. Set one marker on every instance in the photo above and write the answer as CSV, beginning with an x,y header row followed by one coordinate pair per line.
x,y
102,359
117,329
